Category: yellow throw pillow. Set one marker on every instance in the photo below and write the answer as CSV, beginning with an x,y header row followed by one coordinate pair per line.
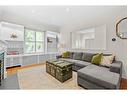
x,y
96,59
107,60
66,54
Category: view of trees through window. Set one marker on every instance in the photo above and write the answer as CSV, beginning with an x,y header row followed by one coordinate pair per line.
x,y
34,41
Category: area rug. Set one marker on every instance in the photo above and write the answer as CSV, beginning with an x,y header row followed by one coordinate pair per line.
x,y
37,78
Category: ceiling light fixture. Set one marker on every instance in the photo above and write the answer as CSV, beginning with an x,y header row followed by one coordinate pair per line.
x,y
33,11
67,9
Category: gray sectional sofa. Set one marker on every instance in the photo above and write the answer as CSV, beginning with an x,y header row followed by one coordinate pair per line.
x,y
92,76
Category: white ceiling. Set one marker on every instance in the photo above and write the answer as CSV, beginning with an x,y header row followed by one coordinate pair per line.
x,y
59,16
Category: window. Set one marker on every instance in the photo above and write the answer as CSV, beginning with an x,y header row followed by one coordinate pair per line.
x,y
39,41
34,41
52,41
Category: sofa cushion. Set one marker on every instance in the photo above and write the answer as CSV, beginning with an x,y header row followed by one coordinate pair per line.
x,y
71,55
116,67
106,54
101,76
77,56
87,57
82,63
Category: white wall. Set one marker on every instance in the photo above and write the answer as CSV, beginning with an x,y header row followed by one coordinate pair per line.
x,y
0,17
0,30
8,28
119,47
100,37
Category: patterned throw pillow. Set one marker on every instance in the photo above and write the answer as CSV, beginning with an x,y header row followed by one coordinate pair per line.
x,y
107,60
97,59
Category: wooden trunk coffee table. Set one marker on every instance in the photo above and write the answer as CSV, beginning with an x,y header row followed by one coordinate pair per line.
x,y
61,70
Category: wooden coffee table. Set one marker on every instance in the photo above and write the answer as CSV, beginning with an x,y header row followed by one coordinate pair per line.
x,y
61,70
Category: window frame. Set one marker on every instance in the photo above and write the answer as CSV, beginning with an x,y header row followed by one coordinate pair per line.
x,y
35,41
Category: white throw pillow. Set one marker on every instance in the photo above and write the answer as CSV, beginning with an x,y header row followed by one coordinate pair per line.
x,y
107,60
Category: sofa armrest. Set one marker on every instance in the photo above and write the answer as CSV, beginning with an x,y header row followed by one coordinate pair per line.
x,y
116,67
58,56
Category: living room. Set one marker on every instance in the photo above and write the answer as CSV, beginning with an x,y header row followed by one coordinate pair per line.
x,y
76,48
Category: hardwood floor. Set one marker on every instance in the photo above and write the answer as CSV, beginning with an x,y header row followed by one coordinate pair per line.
x,y
124,84
15,69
